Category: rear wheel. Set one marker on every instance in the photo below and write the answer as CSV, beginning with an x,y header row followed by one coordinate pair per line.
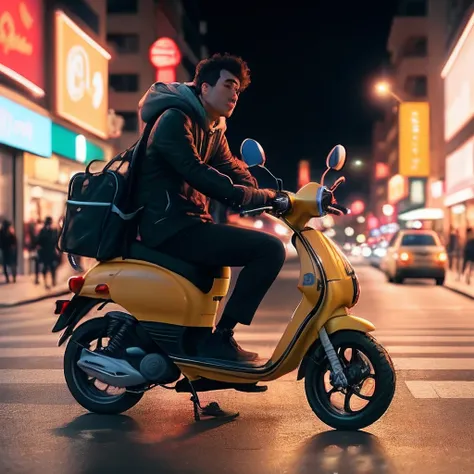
x,y
371,377
84,389
440,281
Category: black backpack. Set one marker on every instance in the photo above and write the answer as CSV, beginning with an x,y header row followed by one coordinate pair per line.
x,y
100,220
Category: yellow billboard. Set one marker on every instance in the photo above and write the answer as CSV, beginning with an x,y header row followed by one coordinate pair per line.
x,y
81,77
414,139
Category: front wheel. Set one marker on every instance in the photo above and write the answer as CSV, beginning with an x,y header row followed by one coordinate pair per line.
x,y
83,388
371,378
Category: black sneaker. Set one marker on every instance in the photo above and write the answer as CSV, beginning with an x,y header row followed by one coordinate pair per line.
x,y
222,345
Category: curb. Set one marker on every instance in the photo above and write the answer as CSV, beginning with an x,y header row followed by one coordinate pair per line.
x,y
450,288
459,292
35,300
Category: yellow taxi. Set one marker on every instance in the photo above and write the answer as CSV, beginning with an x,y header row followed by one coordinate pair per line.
x,y
415,254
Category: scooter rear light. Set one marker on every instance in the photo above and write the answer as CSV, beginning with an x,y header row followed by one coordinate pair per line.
x,y
75,284
102,289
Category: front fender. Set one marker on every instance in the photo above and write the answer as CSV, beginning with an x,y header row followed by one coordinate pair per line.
x,y
335,324
348,322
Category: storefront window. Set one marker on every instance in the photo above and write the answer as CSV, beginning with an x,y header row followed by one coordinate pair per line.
x,y
41,203
6,186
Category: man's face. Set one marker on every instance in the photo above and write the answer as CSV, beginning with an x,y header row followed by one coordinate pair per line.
x,y
222,97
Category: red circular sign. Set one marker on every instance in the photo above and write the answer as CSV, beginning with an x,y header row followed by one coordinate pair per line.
x,y
164,52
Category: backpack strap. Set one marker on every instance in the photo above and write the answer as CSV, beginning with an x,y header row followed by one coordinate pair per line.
x,y
140,148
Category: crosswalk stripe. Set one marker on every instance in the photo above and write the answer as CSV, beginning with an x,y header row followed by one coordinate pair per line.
x,y
419,362
27,324
382,338
26,376
56,376
19,352
274,337
378,333
435,363
444,389
458,350
428,338
45,338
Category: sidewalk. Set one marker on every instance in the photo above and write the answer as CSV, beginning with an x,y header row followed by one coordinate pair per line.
x,y
25,291
462,287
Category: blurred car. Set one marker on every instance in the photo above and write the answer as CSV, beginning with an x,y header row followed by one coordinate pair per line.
x,y
415,254
269,224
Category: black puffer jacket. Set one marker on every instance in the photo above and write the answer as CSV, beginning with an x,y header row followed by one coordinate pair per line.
x,y
188,161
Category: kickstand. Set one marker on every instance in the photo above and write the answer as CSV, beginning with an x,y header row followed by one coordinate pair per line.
x,y
212,409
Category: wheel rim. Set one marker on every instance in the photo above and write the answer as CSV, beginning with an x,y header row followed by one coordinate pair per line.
x,y
86,384
358,396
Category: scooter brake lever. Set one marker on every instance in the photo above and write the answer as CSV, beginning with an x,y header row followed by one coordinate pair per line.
x,y
256,211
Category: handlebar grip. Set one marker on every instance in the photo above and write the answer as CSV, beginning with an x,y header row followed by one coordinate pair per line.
x,y
337,207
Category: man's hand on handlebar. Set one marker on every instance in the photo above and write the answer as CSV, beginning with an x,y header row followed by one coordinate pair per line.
x,y
275,202
281,204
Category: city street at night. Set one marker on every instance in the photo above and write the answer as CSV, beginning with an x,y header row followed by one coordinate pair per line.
x,y
428,330
149,149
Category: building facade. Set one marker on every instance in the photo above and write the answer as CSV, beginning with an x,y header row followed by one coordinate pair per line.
x,y
133,28
458,77
53,108
412,152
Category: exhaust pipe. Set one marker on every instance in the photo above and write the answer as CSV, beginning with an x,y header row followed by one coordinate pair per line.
x,y
114,372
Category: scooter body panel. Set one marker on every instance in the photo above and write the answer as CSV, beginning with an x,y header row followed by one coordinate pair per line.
x,y
156,294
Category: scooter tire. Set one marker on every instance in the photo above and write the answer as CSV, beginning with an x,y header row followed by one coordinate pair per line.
x,y
91,398
385,382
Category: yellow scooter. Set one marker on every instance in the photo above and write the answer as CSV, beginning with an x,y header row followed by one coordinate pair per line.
x,y
349,377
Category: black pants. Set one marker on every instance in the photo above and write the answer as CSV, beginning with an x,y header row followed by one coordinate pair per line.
x,y
49,266
467,261
261,255
9,261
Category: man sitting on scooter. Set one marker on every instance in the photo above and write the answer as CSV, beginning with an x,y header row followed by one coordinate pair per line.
x,y
188,161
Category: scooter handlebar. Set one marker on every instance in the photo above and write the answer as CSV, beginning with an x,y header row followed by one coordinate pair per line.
x,y
329,204
337,209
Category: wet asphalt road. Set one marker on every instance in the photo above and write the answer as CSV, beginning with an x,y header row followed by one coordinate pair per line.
x,y
429,331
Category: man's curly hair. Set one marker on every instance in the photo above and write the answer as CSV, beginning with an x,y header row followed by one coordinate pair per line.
x,y
209,70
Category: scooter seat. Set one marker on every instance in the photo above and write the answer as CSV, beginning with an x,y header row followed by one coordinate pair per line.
x,y
200,276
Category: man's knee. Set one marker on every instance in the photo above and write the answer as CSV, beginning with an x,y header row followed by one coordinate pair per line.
x,y
275,248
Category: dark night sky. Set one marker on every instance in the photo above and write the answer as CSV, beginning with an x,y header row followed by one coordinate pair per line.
x,y
312,63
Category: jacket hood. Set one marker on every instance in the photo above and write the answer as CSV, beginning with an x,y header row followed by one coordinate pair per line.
x,y
161,96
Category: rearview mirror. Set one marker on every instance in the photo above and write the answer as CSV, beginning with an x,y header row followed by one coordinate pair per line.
x,y
336,158
252,153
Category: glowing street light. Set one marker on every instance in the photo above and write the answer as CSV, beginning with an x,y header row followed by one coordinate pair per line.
x,y
384,89
349,231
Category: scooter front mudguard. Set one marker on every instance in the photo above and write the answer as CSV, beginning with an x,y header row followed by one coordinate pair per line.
x,y
348,322
345,322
